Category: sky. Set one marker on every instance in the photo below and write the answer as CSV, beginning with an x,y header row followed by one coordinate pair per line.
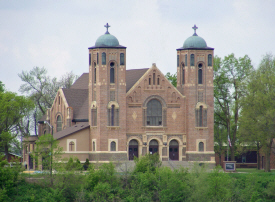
x,y
57,34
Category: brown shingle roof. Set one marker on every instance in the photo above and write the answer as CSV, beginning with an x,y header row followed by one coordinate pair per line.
x,y
78,100
132,76
82,82
70,130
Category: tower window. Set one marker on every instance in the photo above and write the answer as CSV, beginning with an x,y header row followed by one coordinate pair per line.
x,y
154,113
201,146
186,59
209,60
93,146
200,116
94,72
113,115
183,74
149,81
103,58
200,74
113,146
122,59
154,77
178,60
112,72
192,59
97,58
94,117
58,123
158,81
90,59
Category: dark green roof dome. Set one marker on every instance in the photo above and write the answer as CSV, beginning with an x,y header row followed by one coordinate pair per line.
x,y
194,41
106,40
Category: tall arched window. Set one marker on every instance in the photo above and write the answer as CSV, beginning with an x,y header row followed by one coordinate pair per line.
x,y
186,59
122,59
71,146
93,146
113,146
113,115
200,74
103,58
209,60
192,60
201,146
94,72
58,123
112,72
90,59
183,74
154,113
200,116
97,58
178,60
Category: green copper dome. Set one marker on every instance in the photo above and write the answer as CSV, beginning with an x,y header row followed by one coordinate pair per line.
x,y
106,40
194,41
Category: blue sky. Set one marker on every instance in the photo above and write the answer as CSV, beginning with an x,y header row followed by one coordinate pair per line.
x,y
56,34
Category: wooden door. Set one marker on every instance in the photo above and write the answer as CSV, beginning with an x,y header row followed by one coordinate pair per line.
x,y
174,150
153,147
133,149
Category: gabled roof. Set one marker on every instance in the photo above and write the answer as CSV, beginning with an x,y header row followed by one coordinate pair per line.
x,y
78,100
71,130
82,82
132,76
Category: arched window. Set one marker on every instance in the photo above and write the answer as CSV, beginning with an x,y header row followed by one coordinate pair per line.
x,y
200,74
58,124
122,59
200,116
192,59
94,72
201,146
113,146
44,132
71,146
97,58
183,74
103,58
186,59
113,115
154,113
90,59
178,60
154,78
93,146
112,72
94,117
158,81
209,60
149,81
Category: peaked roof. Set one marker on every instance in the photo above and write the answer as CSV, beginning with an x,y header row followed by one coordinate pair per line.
x,y
132,76
71,130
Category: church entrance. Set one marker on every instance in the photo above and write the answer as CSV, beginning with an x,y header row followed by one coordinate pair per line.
x,y
133,149
174,150
153,147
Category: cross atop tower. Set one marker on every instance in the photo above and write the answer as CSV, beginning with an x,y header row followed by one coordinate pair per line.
x,y
194,28
107,26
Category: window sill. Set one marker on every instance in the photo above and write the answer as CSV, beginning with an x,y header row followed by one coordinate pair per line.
x,y
154,127
113,127
201,128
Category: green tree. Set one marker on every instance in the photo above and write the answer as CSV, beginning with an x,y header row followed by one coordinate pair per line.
x,y
48,151
13,108
258,114
230,79
172,78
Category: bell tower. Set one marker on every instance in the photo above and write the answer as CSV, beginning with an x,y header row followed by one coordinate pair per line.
x,y
195,81
107,98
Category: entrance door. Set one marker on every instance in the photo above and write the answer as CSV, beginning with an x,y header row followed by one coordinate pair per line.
x,y
30,162
153,147
174,150
133,149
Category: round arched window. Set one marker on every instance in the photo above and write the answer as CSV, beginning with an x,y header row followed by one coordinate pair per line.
x,y
154,113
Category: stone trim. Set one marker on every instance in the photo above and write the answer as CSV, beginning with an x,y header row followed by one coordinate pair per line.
x,y
68,145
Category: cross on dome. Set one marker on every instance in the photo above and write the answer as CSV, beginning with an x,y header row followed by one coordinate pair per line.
x,y
107,26
194,28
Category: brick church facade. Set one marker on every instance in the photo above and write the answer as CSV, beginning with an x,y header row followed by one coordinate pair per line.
x,y
114,114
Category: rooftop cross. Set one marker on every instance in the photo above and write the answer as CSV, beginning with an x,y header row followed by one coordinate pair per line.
x,y
194,28
107,26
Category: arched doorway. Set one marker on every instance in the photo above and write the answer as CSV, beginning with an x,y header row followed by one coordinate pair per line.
x,y
153,147
133,149
174,150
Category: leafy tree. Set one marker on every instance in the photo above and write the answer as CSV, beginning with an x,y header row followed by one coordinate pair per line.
x,y
258,114
48,152
230,79
172,78
13,108
148,162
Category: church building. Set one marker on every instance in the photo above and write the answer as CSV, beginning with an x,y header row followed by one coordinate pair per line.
x,y
113,113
